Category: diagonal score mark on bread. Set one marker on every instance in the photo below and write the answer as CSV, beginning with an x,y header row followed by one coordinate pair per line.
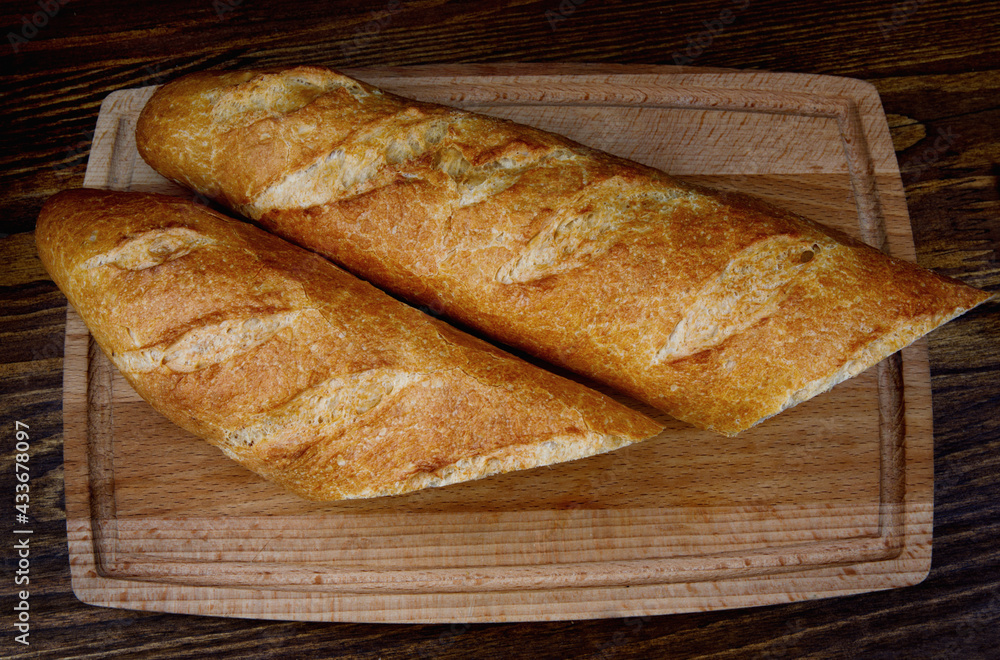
x,y
755,282
591,224
476,183
330,406
208,344
273,96
151,248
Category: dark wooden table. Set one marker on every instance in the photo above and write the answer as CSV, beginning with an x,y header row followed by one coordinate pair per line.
x,y
937,67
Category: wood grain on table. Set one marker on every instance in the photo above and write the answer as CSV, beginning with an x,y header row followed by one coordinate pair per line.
x,y
937,69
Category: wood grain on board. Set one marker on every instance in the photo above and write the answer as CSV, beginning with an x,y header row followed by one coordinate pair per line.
x,y
832,497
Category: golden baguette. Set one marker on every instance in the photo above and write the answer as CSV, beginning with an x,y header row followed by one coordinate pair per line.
x,y
301,372
716,308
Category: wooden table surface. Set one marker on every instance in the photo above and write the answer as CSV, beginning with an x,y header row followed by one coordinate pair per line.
x,y
937,68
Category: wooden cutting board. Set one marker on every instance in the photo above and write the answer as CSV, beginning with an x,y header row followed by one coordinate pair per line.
x,y
832,497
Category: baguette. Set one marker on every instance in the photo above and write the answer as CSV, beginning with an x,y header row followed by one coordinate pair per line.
x,y
304,374
716,308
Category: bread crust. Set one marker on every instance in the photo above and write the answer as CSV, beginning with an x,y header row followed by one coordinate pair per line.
x,y
304,374
716,308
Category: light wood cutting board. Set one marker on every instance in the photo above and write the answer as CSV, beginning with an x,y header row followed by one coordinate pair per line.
x,y
832,497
